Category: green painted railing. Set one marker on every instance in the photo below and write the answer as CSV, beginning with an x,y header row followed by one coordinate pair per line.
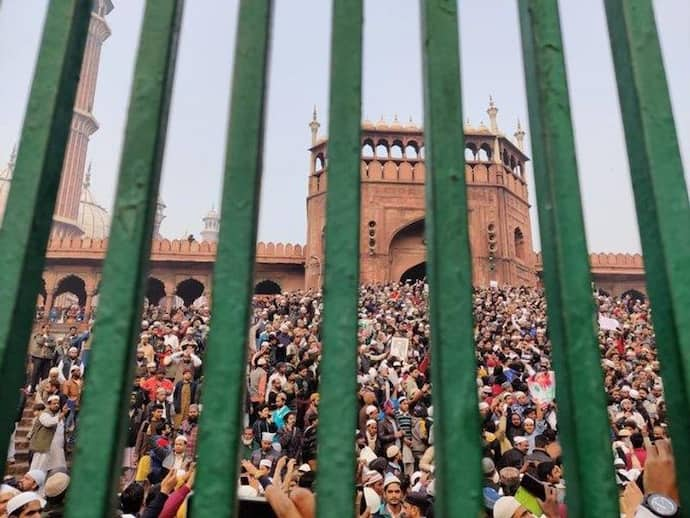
x,y
660,196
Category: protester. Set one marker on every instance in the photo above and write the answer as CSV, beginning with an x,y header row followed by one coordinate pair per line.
x,y
394,437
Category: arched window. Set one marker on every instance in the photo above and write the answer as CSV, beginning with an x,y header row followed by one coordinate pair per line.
x,y
381,150
397,151
368,150
411,151
469,155
520,246
484,153
319,163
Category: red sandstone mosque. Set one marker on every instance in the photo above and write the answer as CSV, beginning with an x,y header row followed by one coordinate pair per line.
x,y
392,217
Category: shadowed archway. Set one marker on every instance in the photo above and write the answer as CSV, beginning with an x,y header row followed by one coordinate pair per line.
x,y
155,291
416,273
407,249
189,290
74,290
267,287
635,295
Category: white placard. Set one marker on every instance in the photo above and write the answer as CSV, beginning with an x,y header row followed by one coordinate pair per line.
x,y
399,345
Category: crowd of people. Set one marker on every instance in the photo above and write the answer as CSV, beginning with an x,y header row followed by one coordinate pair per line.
x,y
394,441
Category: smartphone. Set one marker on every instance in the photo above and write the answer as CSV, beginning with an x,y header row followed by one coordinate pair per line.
x,y
244,480
533,486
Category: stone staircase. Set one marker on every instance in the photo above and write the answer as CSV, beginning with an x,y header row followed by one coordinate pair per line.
x,y
21,456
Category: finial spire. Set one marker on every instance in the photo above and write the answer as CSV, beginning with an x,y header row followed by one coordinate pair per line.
x,y
314,126
13,157
492,111
87,177
520,136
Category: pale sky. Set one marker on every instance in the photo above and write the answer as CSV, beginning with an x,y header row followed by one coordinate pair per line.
x,y
491,65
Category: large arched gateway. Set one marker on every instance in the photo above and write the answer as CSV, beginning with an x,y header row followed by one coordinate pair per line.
x,y
407,250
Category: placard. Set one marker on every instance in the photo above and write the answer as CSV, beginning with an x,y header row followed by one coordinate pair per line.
x,y
399,345
542,386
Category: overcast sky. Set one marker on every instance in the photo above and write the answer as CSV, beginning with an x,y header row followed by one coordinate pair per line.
x,y
491,64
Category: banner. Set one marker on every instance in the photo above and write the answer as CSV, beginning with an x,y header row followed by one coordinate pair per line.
x,y
608,324
542,387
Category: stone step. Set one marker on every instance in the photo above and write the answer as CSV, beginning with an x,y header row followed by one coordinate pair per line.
x,y
17,469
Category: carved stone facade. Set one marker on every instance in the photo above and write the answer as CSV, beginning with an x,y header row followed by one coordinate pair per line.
x,y
392,192
392,247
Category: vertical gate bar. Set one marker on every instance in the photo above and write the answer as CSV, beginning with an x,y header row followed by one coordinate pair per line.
x,y
569,294
564,395
450,268
97,465
661,201
338,386
28,216
225,362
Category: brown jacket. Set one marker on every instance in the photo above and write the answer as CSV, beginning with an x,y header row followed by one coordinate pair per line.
x,y
72,389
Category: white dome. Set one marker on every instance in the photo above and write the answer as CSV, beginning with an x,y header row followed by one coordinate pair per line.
x,y
93,219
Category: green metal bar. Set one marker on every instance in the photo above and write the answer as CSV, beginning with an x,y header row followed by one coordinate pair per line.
x,y
97,465
225,362
661,200
338,387
569,296
28,216
566,421
450,269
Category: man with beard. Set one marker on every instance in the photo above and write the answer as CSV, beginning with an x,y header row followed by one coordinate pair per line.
x,y
190,428
184,394
48,440
390,433
265,451
247,443
68,362
290,437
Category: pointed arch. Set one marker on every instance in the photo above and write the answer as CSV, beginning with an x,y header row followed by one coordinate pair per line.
x,y
189,290
267,287
155,291
70,290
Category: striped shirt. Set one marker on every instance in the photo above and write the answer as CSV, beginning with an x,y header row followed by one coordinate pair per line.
x,y
404,422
